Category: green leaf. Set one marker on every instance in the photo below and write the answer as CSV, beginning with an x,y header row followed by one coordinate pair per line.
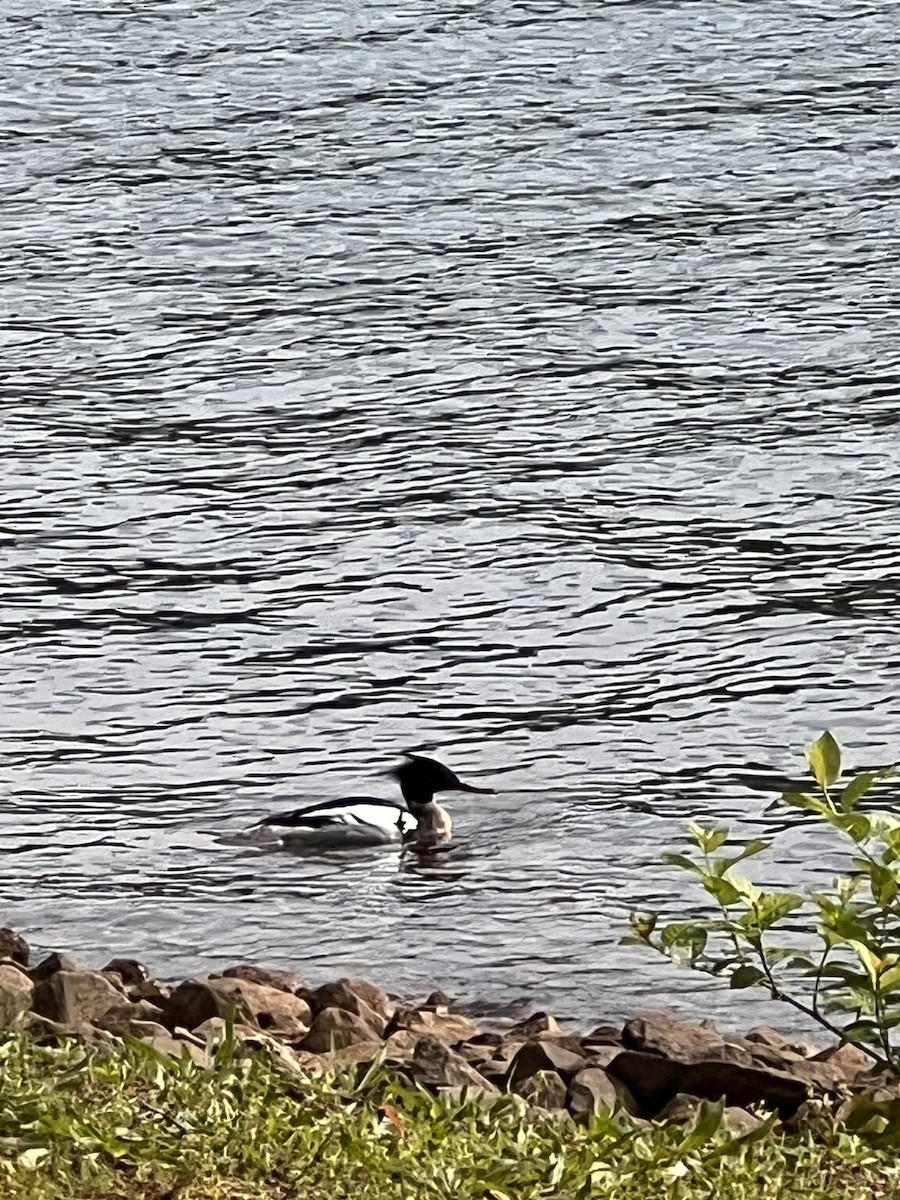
x,y
805,801
685,935
717,838
869,959
845,886
861,1031
756,846
706,1123
856,825
676,933
868,1116
745,888
801,962
847,976
791,958
884,825
883,883
858,787
840,924
722,889
824,757
558,1169
698,944
709,839
681,860
746,976
34,1157
772,906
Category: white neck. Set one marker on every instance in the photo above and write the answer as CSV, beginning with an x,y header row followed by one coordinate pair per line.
x,y
434,824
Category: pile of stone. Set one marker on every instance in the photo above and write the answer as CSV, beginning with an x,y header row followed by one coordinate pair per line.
x,y
656,1066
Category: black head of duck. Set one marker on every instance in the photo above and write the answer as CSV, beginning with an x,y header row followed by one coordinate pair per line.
x,y
421,778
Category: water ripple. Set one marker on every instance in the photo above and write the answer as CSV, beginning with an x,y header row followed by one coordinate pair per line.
x,y
517,383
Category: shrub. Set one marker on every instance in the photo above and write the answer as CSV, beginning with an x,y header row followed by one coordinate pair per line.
x,y
849,982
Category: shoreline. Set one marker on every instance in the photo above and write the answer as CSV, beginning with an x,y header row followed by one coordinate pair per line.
x,y
650,1066
684,994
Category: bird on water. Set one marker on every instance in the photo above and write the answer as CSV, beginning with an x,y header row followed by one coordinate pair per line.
x,y
373,821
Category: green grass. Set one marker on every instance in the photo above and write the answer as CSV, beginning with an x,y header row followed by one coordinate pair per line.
x,y
77,1126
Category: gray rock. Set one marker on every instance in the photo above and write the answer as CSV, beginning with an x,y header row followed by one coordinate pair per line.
x,y
603,1035
438,1001
488,1039
347,993
494,1071
176,1048
214,1031
290,1062
507,1051
75,998
538,1056
654,1080
437,1066
451,1028
602,1056
249,1042
681,1110
534,1026
190,1004
821,1077
154,990
282,981
401,1046
661,1033
740,1121
360,1053
764,1055
51,964
474,1054
14,946
44,1030
16,992
353,996
131,1019
849,1061
129,970
115,979
140,1029
266,1008
591,1091
335,1028
765,1036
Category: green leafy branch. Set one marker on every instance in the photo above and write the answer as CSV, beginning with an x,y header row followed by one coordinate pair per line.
x,y
850,985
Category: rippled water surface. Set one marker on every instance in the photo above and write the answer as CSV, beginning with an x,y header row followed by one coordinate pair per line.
x,y
512,381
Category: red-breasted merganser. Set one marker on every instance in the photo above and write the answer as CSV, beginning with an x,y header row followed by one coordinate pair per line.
x,y
371,821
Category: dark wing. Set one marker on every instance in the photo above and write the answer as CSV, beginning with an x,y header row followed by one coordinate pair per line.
x,y
350,810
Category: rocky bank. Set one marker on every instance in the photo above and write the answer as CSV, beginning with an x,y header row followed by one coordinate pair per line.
x,y
655,1066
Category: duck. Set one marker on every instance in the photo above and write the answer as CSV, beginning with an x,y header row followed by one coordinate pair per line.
x,y
373,821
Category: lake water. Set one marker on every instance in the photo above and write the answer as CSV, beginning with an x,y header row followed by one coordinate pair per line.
x,y
516,382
